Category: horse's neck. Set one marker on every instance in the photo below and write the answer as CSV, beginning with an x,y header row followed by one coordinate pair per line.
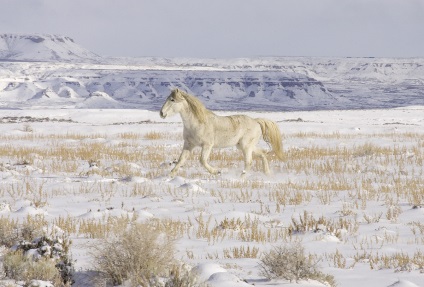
x,y
190,121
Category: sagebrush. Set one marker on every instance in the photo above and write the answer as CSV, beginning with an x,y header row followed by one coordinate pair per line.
x,y
136,256
290,262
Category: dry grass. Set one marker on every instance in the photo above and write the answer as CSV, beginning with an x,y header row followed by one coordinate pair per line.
x,y
241,252
398,261
347,172
8,231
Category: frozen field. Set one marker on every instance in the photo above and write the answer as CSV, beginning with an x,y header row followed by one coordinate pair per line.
x,y
351,190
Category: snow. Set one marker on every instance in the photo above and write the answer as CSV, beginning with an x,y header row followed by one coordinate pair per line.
x,y
403,283
51,71
99,192
205,270
54,93
42,47
39,283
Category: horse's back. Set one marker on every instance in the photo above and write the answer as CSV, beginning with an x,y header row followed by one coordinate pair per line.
x,y
235,123
232,130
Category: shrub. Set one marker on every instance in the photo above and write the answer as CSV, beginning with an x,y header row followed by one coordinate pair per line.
x,y
182,277
44,258
8,231
291,263
11,231
20,267
137,256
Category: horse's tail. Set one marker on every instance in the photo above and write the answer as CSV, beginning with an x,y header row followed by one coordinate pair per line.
x,y
271,134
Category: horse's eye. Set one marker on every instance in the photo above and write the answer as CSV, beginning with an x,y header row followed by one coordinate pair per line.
x,y
172,100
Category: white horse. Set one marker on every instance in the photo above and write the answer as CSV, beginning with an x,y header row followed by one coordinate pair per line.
x,y
205,129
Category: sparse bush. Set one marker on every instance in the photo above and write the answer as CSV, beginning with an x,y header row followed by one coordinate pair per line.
x,y
181,277
137,256
291,263
8,231
20,267
27,128
32,227
44,258
11,231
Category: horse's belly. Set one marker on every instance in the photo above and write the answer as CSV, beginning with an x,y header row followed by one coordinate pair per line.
x,y
226,141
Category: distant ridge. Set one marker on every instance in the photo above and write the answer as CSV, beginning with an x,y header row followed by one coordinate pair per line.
x,y
43,48
40,71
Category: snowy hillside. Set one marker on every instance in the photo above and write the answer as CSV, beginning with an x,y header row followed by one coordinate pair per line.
x,y
53,71
40,47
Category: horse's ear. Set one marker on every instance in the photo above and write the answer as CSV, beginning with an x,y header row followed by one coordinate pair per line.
x,y
178,94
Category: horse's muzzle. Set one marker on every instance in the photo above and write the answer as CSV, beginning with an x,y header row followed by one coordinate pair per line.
x,y
162,115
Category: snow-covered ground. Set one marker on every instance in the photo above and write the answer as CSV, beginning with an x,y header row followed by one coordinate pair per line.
x,y
354,178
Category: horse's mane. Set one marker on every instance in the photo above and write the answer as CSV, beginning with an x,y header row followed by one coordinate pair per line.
x,y
196,106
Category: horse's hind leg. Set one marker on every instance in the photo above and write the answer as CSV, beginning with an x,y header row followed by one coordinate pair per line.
x,y
204,157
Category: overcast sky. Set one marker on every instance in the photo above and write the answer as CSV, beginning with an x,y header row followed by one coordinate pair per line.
x,y
226,28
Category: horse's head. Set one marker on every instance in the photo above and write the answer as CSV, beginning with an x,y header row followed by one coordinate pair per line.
x,y
173,104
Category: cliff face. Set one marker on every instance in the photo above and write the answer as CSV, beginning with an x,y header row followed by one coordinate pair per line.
x,y
67,84
53,71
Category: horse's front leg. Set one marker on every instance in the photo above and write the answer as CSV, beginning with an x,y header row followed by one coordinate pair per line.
x,y
247,153
185,153
204,157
